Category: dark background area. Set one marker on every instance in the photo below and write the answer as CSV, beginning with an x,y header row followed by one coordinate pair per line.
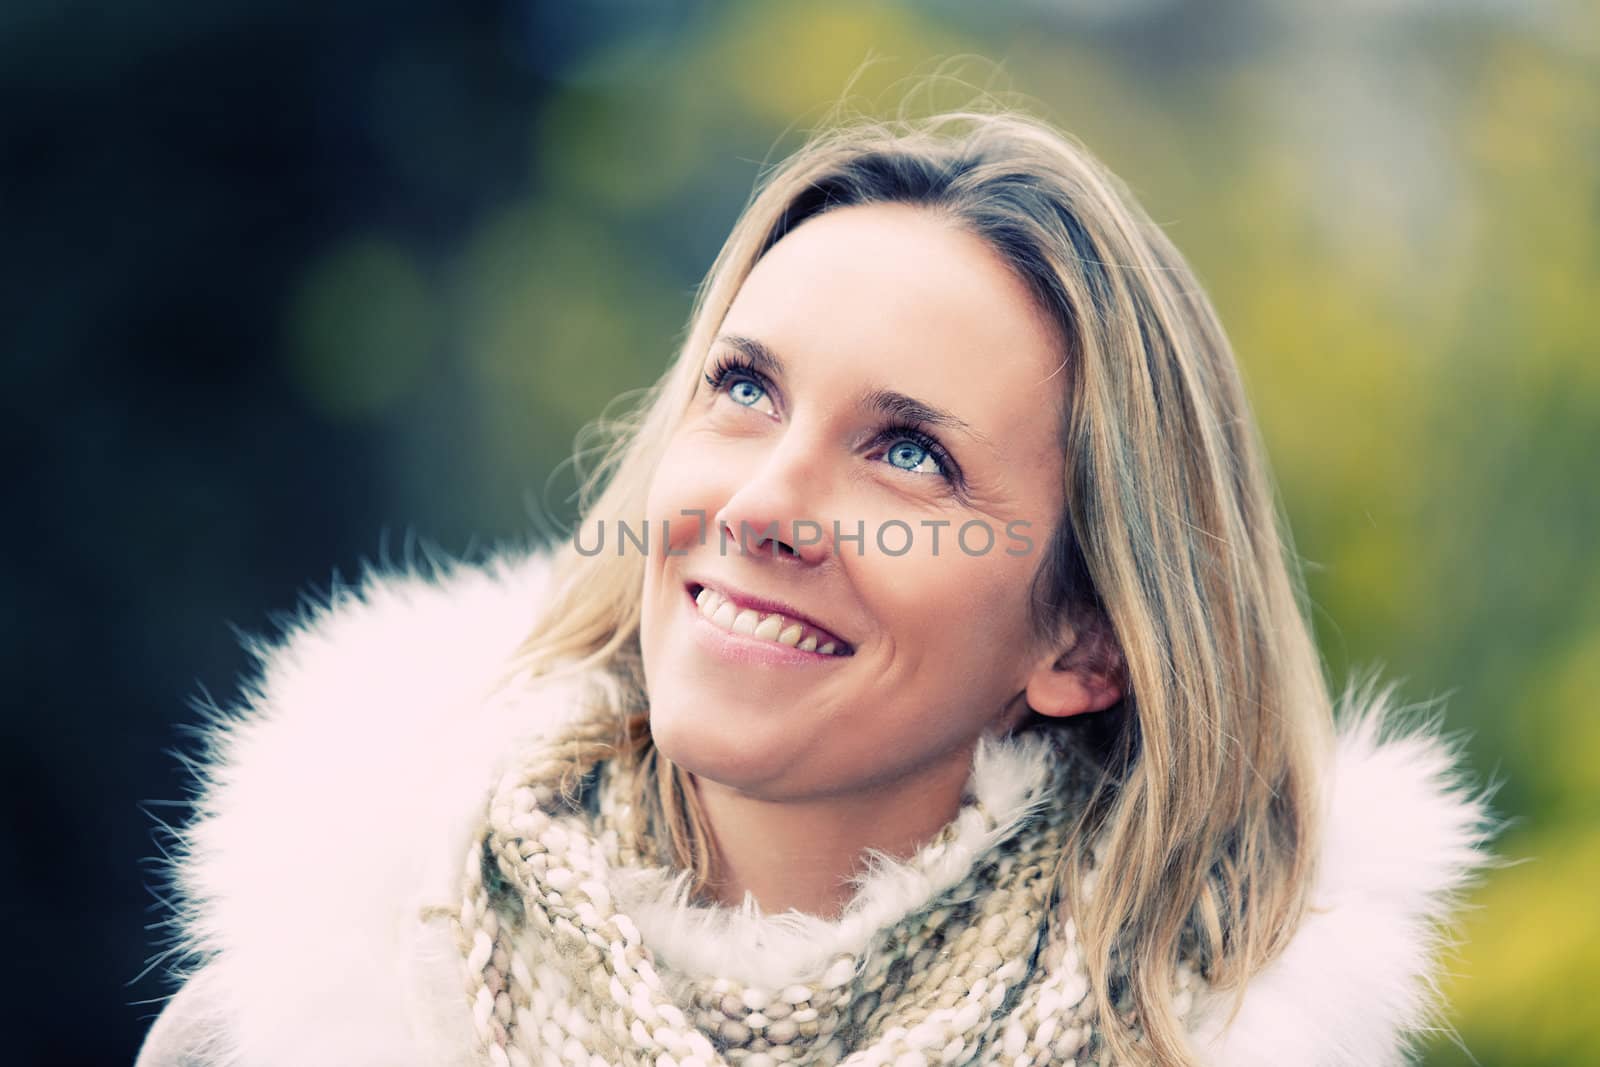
x,y
284,290
163,181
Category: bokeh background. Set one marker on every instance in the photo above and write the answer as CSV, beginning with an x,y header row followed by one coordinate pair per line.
x,y
289,287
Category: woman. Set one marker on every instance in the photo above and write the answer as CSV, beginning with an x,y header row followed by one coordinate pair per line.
x,y
927,683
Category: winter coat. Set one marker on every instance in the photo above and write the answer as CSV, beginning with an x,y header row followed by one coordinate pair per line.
x,y
315,884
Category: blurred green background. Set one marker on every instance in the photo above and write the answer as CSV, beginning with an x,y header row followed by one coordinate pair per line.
x,y
285,289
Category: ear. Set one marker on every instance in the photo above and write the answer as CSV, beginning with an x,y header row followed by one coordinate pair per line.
x,y
1088,676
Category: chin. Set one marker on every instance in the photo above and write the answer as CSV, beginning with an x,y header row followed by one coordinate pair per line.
x,y
702,742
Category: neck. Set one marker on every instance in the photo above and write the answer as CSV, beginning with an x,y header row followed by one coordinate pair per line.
x,y
802,854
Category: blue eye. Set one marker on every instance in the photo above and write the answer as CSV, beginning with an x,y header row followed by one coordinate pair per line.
x,y
910,456
746,392
910,449
735,376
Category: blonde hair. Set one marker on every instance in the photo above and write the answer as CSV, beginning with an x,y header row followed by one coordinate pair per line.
x,y
1172,546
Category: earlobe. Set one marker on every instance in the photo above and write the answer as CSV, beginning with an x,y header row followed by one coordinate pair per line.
x,y
1070,692
1087,678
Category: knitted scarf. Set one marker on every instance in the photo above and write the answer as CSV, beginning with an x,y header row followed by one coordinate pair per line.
x,y
559,973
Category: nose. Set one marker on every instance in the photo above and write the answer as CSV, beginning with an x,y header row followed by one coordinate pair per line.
x,y
771,513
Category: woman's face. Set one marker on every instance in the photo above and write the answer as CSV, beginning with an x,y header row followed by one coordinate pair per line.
x,y
881,372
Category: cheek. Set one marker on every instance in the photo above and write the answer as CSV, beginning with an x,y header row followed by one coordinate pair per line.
x,y
682,483
684,495
684,478
666,483
951,612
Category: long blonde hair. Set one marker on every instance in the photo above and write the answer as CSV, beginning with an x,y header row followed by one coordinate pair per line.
x,y
1172,543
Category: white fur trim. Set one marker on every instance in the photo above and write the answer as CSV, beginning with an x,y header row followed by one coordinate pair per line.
x,y
1404,836
337,805
771,951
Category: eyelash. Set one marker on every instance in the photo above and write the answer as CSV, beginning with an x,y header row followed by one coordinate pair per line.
x,y
730,365
727,366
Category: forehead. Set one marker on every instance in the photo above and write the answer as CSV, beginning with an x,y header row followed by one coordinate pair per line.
x,y
893,296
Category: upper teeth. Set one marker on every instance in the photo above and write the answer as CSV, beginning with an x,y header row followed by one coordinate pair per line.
x,y
768,627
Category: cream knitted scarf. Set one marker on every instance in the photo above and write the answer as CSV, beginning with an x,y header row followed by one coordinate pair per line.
x,y
559,973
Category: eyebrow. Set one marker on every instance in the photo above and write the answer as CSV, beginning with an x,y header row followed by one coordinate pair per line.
x,y
886,402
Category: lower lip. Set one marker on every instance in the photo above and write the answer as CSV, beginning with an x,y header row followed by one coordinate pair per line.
x,y
750,651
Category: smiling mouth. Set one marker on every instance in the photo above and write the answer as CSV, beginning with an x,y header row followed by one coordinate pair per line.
x,y
770,626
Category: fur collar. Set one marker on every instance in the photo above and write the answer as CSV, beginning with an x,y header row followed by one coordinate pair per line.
x,y
1009,779
333,808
